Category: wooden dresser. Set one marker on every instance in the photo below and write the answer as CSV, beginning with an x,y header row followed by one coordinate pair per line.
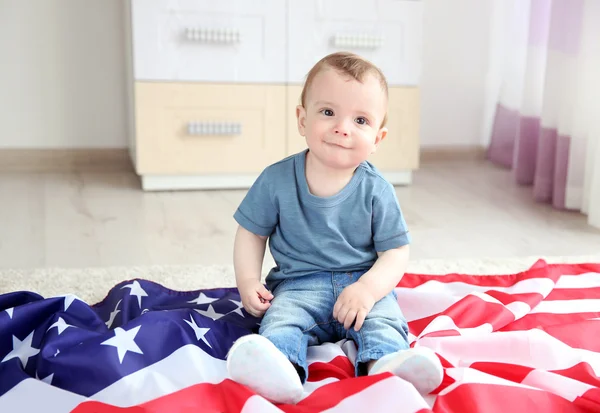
x,y
213,85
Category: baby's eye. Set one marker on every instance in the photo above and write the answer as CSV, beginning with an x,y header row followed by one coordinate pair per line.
x,y
327,112
361,121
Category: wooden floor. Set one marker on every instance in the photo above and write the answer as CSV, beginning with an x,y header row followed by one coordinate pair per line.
x,y
454,210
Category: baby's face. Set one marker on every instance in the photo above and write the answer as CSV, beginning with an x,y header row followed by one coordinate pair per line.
x,y
342,118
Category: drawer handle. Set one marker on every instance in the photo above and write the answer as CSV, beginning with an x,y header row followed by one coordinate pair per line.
x,y
358,41
214,36
214,128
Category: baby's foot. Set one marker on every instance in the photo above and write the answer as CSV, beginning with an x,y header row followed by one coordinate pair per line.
x,y
255,362
419,366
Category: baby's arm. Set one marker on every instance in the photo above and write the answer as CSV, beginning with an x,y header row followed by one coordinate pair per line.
x,y
387,272
356,301
248,255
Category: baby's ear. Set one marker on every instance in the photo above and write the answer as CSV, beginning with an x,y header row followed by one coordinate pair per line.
x,y
381,135
301,117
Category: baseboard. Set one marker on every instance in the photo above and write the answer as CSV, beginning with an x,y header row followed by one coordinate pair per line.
x,y
452,153
65,160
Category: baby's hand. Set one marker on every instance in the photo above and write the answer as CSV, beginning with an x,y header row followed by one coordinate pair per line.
x,y
255,298
354,302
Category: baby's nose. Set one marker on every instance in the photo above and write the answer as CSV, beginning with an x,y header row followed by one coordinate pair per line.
x,y
340,131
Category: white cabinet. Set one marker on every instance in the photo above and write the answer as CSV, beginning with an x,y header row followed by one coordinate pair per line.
x,y
213,84
387,32
209,41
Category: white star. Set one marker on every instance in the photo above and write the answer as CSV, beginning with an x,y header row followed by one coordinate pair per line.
x,y
69,298
200,332
124,341
239,307
48,378
10,311
136,290
60,325
111,318
210,313
202,299
22,349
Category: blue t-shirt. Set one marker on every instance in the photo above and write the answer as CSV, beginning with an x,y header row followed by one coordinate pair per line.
x,y
308,233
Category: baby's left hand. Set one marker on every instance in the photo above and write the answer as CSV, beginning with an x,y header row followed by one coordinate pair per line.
x,y
354,302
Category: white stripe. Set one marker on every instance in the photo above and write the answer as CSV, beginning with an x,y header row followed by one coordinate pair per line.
x,y
463,375
32,395
187,366
418,305
563,386
256,404
388,395
531,285
587,280
567,306
326,352
532,348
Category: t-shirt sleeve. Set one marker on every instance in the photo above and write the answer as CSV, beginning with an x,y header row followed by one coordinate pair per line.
x,y
389,227
257,213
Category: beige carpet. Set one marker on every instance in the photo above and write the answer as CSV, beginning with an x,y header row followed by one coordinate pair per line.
x,y
92,284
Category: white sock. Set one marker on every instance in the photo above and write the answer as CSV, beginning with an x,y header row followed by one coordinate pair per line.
x,y
419,366
255,362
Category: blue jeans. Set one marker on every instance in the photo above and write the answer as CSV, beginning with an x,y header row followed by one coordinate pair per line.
x,y
301,314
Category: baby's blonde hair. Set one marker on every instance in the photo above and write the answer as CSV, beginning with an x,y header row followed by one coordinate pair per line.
x,y
348,64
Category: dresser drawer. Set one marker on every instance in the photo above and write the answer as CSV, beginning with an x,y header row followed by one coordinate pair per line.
x,y
387,32
212,41
399,150
208,128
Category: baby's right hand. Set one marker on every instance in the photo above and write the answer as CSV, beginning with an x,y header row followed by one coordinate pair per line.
x,y
255,298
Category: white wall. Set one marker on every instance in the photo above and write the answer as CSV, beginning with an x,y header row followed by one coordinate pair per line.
x,y
456,38
62,73
62,78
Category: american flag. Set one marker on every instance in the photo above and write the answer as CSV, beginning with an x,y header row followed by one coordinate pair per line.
x,y
524,342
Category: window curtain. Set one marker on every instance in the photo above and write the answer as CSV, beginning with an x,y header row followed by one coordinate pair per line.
x,y
543,96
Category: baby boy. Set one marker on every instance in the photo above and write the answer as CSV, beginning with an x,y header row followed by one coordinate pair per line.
x,y
339,241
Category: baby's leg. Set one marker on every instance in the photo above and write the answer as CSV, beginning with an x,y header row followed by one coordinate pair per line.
x,y
383,347
273,363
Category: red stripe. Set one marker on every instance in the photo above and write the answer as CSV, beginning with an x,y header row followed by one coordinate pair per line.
x,y
582,372
511,372
339,368
531,299
550,271
582,334
590,400
573,294
469,312
493,398
505,280
545,320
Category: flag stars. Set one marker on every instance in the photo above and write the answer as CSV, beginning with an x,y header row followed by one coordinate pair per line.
x,y
124,341
137,291
211,313
23,350
60,325
47,379
111,318
202,299
239,305
199,331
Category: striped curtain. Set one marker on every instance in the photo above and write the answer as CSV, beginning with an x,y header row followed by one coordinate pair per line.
x,y
545,120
